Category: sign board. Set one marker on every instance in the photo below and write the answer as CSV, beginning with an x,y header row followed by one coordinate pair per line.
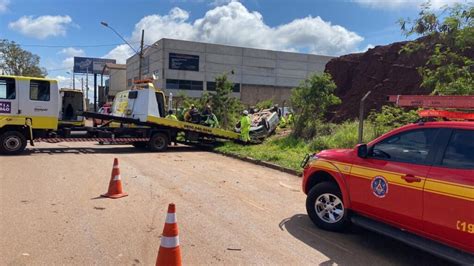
x,y
90,65
184,62
5,107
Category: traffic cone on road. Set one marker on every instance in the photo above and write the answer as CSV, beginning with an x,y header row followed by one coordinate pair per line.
x,y
115,186
169,252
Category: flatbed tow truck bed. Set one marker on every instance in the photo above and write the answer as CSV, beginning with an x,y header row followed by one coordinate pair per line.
x,y
133,131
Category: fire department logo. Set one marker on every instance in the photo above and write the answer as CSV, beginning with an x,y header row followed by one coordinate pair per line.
x,y
379,186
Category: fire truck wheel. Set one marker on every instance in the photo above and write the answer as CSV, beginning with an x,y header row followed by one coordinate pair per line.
x,y
158,142
12,142
325,207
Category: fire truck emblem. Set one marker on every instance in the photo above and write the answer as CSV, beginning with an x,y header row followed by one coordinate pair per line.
x,y
379,186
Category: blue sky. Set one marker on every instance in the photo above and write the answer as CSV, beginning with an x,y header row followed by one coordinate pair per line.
x,y
331,27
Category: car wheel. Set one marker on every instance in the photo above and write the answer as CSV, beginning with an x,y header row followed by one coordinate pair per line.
x,y
325,207
158,142
12,142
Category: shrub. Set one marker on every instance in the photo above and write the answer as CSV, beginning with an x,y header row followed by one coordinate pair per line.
x,y
391,117
343,135
310,101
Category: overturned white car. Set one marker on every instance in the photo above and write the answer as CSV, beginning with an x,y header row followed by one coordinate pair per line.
x,y
263,123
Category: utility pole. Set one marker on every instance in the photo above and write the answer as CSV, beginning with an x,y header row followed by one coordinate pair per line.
x,y
361,117
141,57
87,86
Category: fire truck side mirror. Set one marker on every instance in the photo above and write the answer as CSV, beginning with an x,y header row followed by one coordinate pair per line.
x,y
362,151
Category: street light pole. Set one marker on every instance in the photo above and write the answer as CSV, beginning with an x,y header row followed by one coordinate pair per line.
x,y
141,57
140,54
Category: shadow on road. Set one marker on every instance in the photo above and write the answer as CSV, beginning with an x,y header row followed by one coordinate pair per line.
x,y
357,246
101,149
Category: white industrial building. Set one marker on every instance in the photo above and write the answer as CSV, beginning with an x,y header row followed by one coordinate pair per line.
x,y
191,67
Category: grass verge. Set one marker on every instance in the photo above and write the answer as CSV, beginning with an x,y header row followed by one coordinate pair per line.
x,y
288,151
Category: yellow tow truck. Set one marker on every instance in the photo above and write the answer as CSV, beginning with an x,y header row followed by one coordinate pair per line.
x,y
34,109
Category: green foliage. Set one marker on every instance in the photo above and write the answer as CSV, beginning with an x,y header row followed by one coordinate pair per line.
x,y
16,61
265,104
344,135
226,107
390,117
310,101
287,151
450,68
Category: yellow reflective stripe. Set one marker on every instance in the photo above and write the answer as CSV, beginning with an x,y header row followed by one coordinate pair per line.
x,y
449,189
332,165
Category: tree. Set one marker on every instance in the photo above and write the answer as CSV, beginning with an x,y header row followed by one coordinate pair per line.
x,y
16,61
450,68
310,101
224,105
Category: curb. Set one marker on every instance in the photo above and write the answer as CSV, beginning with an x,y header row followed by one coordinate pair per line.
x,y
261,163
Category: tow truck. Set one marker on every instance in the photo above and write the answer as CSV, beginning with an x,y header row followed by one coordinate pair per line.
x,y
32,109
415,183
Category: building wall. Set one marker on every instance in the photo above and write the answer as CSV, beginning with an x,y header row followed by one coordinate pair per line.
x,y
263,74
117,81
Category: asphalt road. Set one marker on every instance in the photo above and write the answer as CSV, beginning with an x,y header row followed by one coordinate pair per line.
x,y
229,212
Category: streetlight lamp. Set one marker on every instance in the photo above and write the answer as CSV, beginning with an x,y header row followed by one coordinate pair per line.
x,y
140,54
73,84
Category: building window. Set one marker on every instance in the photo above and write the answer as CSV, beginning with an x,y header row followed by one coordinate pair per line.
x,y
183,62
7,88
129,82
211,86
180,84
39,90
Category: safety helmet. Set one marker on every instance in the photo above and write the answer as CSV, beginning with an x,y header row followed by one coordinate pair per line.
x,y
246,112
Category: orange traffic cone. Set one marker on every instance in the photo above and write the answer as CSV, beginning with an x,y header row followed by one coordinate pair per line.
x,y
169,252
115,185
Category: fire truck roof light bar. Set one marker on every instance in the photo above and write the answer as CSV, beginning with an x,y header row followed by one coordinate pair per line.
x,y
430,101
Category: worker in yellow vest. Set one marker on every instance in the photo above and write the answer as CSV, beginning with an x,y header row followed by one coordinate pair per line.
x,y
245,127
171,115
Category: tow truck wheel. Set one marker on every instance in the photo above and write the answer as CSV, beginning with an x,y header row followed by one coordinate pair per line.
x,y
325,207
12,142
158,142
139,144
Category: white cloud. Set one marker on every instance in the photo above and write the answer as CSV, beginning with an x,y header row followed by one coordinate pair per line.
x,y
63,82
369,46
4,5
394,4
71,52
41,27
120,53
221,2
234,24
68,62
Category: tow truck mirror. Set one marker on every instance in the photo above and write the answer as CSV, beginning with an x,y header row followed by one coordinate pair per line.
x,y
362,151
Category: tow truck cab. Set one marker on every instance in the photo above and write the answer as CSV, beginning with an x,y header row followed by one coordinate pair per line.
x,y
29,100
415,183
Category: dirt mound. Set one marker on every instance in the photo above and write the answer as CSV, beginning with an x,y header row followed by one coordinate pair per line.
x,y
382,70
